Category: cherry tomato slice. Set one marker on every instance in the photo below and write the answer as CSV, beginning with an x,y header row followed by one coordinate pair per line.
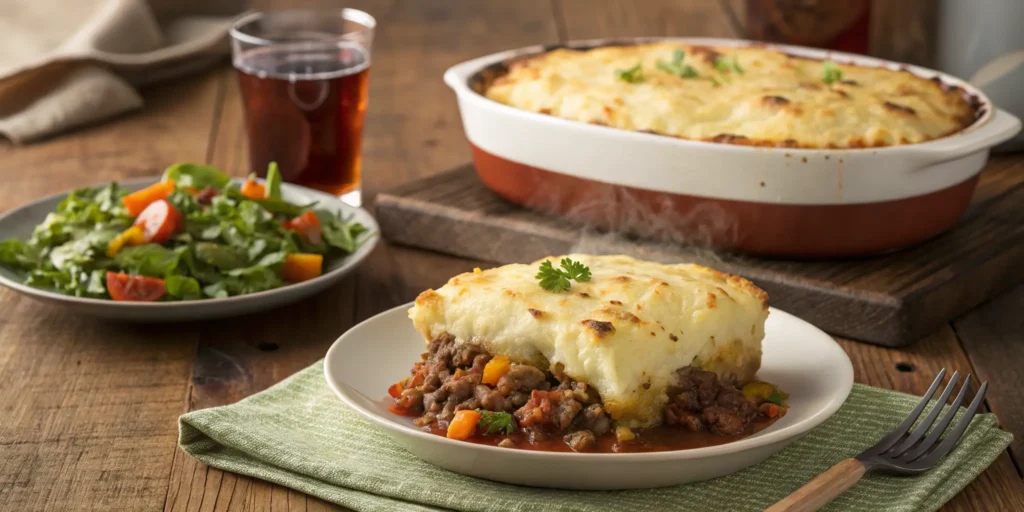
x,y
159,221
124,287
308,226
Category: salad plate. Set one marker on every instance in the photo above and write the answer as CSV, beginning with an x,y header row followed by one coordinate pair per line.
x,y
20,223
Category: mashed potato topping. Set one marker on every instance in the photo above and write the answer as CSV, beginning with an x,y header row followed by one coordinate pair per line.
x,y
744,95
625,332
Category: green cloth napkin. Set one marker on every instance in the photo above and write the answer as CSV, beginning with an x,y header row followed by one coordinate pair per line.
x,y
298,434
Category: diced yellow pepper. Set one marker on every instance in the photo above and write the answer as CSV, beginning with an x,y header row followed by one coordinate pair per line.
x,y
758,391
131,236
495,369
624,434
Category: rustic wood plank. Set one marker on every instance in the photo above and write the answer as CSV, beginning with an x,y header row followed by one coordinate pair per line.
x,y
898,297
90,406
991,335
911,370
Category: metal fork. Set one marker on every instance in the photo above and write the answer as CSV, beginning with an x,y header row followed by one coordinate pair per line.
x,y
902,451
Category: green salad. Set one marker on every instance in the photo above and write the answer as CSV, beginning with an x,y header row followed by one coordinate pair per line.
x,y
193,235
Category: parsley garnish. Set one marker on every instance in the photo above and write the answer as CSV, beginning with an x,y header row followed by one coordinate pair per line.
x,y
496,422
632,75
830,72
725,65
676,67
557,279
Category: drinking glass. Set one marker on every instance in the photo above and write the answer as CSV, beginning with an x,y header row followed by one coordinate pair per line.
x,y
303,76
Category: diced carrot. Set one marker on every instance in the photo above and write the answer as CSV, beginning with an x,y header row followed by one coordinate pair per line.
x,y
140,199
495,369
417,380
395,390
253,189
463,425
131,236
301,267
772,410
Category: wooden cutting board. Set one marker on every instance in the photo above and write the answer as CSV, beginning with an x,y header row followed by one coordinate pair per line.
x,y
893,299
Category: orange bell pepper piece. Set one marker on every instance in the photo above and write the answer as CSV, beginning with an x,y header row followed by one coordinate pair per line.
x,y
300,266
463,425
140,199
253,189
495,369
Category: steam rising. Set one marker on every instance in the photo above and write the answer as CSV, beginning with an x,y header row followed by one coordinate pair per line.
x,y
642,224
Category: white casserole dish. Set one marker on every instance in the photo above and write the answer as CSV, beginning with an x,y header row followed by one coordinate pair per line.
x,y
777,201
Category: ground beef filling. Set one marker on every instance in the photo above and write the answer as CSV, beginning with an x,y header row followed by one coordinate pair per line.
x,y
700,401
549,405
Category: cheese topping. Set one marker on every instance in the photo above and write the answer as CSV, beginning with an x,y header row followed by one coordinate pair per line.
x,y
744,95
625,332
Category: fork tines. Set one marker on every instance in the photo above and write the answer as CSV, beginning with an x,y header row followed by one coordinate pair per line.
x,y
909,451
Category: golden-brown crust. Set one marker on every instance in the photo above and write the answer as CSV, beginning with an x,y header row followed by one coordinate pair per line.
x,y
750,288
599,328
428,298
868,107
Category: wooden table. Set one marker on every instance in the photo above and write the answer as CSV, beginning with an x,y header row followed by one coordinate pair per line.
x,y
88,408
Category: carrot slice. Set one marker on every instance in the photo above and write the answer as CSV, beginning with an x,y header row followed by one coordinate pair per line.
x,y
463,424
495,369
253,189
395,390
301,266
140,199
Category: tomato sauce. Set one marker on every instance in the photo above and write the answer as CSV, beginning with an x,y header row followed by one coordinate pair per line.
x,y
655,439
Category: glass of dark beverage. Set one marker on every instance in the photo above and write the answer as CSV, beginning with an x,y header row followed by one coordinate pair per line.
x,y
303,76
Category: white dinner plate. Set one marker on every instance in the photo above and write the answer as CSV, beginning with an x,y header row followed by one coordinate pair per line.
x,y
19,223
798,357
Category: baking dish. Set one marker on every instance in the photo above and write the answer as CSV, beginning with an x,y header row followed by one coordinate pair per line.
x,y
765,200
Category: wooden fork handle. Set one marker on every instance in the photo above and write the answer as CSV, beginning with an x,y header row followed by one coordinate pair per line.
x,y
824,488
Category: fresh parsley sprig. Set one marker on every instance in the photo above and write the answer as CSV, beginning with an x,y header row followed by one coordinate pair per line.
x,y
632,75
557,279
493,422
677,67
726,65
830,72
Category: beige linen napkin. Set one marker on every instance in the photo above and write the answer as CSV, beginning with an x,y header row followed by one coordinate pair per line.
x,y
66,63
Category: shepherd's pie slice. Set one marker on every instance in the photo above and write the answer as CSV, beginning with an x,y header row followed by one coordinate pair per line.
x,y
625,332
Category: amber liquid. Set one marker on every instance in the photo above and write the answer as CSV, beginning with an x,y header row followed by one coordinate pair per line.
x,y
304,109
